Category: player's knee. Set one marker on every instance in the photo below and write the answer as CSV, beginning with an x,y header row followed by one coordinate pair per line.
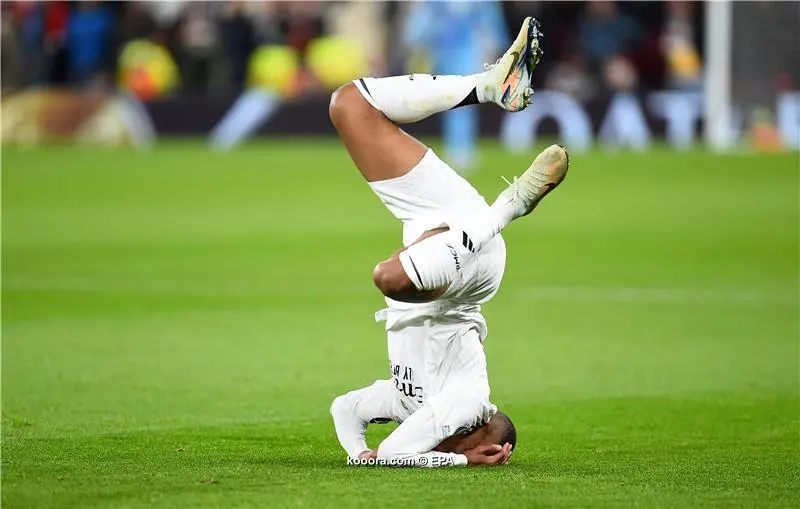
x,y
337,106
343,101
390,278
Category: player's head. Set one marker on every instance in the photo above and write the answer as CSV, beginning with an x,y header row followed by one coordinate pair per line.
x,y
503,430
499,430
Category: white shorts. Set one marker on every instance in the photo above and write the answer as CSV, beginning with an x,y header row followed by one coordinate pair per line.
x,y
432,194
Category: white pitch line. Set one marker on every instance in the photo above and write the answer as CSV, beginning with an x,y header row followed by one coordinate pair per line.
x,y
568,294
229,288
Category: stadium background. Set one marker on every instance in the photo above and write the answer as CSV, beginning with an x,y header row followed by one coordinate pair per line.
x,y
178,313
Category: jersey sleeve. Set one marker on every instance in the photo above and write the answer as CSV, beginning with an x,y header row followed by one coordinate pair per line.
x,y
432,459
352,412
412,444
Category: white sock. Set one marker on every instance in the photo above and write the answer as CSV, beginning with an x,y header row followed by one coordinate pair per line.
x,y
434,262
481,227
410,98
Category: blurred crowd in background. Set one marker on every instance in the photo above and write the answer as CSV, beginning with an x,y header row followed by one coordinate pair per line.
x,y
158,48
265,52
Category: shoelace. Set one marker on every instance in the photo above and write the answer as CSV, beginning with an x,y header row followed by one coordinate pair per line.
x,y
487,67
541,179
511,185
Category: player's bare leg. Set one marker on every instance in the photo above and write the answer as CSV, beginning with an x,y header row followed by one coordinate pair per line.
x,y
378,147
366,114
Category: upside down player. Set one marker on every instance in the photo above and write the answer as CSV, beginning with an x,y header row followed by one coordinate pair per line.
x,y
452,262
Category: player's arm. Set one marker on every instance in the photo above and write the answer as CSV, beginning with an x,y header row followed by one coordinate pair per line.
x,y
415,443
349,427
352,412
482,455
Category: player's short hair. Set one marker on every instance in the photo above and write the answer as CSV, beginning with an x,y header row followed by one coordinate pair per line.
x,y
508,433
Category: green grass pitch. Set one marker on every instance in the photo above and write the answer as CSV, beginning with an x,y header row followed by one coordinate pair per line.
x,y
177,322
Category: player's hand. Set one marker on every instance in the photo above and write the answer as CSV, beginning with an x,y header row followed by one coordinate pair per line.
x,y
368,454
491,454
508,448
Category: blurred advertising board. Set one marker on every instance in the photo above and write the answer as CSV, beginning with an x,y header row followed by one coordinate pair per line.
x,y
36,117
620,121
623,120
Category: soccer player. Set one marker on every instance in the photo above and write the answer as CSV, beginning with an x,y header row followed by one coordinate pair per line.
x,y
452,262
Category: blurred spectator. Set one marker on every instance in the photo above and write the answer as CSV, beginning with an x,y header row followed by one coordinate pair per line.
x,y
238,41
295,48
265,24
137,23
89,41
42,30
11,71
165,13
571,77
198,40
481,32
301,23
30,19
363,23
683,59
605,35
620,75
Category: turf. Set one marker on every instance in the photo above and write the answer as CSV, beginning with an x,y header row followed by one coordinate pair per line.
x,y
177,322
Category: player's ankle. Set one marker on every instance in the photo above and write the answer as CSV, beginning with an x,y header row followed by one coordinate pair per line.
x,y
483,87
502,212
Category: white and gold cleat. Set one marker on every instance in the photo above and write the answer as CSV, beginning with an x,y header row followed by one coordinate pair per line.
x,y
546,172
508,81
